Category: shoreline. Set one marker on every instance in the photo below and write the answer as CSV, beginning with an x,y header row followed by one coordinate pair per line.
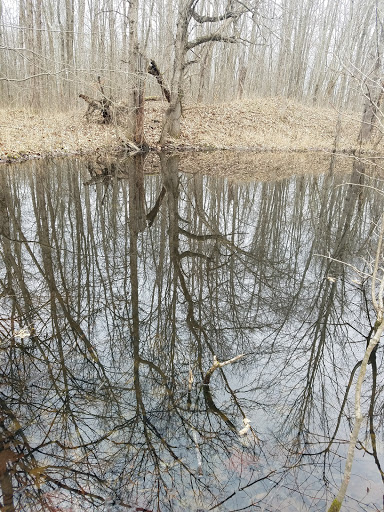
x,y
260,125
169,149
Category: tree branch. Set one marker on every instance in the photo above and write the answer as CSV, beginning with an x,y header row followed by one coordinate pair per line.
x,y
154,71
7,79
212,19
208,38
217,364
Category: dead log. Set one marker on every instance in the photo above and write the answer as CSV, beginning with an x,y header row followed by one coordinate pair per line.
x,y
103,105
154,71
106,103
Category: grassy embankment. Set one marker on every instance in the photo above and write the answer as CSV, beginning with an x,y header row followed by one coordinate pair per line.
x,y
261,124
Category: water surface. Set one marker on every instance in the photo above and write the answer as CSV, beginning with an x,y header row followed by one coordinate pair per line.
x,y
122,282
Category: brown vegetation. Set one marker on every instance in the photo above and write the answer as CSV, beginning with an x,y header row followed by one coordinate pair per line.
x,y
263,124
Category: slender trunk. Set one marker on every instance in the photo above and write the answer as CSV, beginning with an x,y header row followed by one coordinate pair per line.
x,y
136,69
373,98
377,300
6,479
38,57
79,57
337,502
7,491
69,35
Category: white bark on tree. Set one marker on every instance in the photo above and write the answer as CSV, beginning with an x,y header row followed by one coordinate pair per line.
x,y
377,301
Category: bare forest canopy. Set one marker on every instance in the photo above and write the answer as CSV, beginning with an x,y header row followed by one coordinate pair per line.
x,y
321,51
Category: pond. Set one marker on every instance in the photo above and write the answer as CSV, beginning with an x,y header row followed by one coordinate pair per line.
x,y
124,283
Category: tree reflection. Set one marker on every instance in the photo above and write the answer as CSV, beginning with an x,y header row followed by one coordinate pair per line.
x,y
121,290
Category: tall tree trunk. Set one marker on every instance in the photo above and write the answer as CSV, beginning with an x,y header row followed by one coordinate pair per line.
x,y
38,56
171,123
79,54
373,98
374,89
6,478
136,70
69,35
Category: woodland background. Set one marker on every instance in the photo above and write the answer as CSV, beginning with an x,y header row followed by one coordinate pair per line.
x,y
323,52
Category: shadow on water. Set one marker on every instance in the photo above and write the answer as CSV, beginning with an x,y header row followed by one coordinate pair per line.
x,y
124,284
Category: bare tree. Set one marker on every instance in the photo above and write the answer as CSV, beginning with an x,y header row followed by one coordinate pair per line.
x,y
186,13
377,291
136,69
54,48
373,85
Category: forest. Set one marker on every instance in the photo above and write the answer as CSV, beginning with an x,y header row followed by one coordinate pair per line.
x,y
320,52
192,296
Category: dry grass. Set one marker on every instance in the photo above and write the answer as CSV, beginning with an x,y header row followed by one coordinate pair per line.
x,y
261,124
25,134
268,124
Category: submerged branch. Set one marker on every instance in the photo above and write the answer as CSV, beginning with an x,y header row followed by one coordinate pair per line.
x,y
207,392
217,364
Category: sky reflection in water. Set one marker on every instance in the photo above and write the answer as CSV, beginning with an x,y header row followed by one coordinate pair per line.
x,y
121,281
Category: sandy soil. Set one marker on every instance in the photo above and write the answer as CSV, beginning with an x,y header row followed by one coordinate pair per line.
x,y
263,124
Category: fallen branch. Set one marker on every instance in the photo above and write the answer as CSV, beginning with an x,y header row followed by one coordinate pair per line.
x,y
103,106
154,71
217,364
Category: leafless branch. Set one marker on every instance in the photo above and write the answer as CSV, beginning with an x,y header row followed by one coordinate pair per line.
x,y
209,38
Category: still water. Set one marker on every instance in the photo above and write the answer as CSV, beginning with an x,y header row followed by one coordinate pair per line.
x,y
124,284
